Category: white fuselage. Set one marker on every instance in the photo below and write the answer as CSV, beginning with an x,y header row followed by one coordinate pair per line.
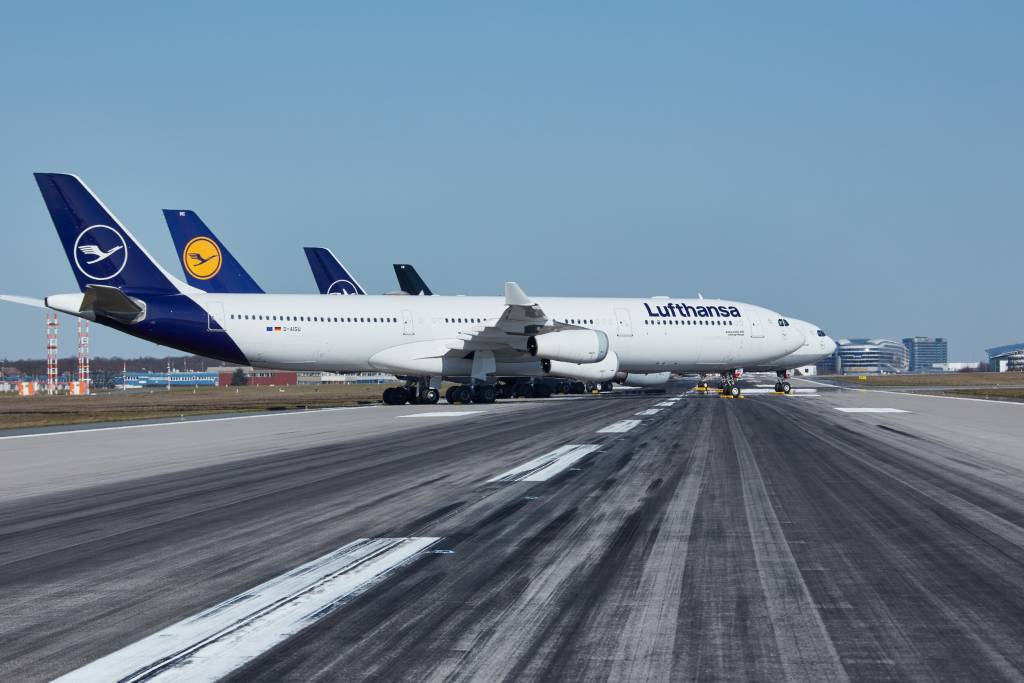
x,y
351,333
817,346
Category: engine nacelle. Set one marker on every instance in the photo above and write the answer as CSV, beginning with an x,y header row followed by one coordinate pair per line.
x,y
570,346
635,379
602,371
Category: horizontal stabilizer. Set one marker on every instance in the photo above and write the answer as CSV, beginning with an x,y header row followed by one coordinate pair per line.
x,y
23,300
111,302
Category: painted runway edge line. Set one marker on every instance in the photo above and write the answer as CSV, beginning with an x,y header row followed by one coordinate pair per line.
x,y
870,410
453,413
213,643
193,421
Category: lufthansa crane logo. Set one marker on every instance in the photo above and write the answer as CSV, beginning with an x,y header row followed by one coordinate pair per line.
x,y
201,257
342,287
100,252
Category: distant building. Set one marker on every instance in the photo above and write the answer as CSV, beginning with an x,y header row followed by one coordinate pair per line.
x,y
956,367
923,353
256,376
135,380
1009,358
866,357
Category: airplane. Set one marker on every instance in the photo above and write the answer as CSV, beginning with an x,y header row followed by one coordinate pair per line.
x,y
817,346
419,337
207,263
331,277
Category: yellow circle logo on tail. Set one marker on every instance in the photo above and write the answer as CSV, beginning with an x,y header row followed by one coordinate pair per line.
x,y
201,258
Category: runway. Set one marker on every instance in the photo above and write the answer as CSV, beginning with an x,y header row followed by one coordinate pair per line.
x,y
625,537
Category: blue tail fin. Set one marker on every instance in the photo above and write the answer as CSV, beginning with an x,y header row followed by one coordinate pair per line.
x,y
331,277
207,263
410,281
100,249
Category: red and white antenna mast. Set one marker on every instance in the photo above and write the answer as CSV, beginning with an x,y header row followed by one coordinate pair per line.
x,y
83,356
51,353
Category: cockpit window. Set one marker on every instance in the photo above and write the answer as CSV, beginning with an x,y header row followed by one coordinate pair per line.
x,y
783,322
821,334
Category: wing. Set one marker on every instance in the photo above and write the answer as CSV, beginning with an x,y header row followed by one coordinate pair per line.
x,y
502,339
196,257
91,250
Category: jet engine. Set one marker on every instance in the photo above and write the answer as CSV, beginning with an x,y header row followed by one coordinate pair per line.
x,y
602,371
635,379
570,346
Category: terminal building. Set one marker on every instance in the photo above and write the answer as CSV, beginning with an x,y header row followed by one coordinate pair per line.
x,y
926,354
138,380
1009,358
866,357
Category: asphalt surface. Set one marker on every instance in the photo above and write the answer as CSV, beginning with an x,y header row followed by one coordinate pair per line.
x,y
774,537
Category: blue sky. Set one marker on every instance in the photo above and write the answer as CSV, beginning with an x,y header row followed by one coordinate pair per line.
x,y
855,165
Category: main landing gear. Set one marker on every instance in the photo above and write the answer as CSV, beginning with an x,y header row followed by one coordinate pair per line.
x,y
415,392
478,393
782,386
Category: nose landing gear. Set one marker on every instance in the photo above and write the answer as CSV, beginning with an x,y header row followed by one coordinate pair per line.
x,y
782,386
728,385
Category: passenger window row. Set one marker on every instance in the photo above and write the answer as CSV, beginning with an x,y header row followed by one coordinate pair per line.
x,y
312,318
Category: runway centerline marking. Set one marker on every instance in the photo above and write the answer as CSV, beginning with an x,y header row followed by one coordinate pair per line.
x,y
213,643
870,410
548,465
650,411
664,404
460,413
619,427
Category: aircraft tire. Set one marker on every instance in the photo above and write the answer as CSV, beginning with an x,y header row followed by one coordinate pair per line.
x,y
430,396
787,387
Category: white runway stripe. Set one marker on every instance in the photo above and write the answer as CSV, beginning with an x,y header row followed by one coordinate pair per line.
x,y
212,644
619,427
872,410
650,411
664,404
547,466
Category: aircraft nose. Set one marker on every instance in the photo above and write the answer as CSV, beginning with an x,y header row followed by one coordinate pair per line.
x,y
830,345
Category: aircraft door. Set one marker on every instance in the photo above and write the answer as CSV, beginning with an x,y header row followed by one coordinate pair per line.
x,y
756,329
215,317
623,324
407,326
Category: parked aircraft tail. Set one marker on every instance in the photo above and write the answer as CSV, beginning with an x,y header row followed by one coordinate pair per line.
x,y
207,263
100,249
331,277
